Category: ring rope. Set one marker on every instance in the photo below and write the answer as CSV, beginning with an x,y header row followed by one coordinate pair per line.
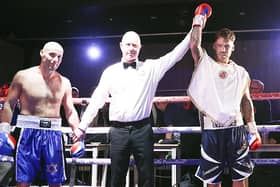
x,y
162,130
254,96
157,162
176,99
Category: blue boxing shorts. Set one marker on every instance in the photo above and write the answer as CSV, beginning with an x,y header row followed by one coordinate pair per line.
x,y
40,150
224,149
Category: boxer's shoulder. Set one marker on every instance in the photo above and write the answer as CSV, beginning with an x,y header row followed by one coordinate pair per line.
x,y
28,72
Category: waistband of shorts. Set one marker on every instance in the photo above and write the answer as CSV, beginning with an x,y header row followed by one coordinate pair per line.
x,y
36,122
209,124
139,123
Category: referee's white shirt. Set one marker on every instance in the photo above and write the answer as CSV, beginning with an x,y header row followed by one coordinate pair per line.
x,y
131,90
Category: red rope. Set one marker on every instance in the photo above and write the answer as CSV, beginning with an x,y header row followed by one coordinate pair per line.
x,y
174,99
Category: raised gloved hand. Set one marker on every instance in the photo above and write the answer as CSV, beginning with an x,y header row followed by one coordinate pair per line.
x,y
254,139
202,12
7,141
77,150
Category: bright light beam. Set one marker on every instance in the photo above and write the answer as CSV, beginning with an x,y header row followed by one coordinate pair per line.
x,y
94,52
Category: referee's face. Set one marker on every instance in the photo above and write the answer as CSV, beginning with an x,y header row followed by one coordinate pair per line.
x,y
130,46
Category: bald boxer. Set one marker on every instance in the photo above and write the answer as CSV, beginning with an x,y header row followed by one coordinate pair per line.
x,y
220,90
41,90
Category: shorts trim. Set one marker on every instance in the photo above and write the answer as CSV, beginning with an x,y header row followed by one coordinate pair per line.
x,y
36,122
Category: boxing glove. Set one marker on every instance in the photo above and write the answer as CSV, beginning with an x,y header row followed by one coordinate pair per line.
x,y
7,141
77,150
254,139
5,127
202,12
203,9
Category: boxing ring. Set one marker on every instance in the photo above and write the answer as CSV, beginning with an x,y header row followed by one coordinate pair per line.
x,y
174,162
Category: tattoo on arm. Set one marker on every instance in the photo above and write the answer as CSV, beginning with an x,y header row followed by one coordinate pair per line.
x,y
196,50
247,109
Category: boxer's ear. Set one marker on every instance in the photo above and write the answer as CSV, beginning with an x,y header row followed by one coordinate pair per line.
x,y
233,48
214,46
41,52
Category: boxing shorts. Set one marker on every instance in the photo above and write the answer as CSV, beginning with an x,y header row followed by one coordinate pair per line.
x,y
223,149
40,150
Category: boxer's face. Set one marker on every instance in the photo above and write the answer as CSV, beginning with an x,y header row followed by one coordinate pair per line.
x,y
130,47
51,56
223,49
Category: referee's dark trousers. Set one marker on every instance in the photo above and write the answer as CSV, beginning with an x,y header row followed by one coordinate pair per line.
x,y
132,138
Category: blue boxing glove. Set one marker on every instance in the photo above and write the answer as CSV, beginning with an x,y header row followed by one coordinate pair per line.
x,y
7,141
77,150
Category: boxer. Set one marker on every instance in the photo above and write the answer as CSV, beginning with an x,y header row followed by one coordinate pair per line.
x,y
41,91
220,90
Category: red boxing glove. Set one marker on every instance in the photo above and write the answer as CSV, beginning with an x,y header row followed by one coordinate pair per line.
x,y
254,141
77,150
203,9
202,12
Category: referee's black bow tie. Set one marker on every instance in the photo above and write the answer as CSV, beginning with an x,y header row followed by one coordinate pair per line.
x,y
126,65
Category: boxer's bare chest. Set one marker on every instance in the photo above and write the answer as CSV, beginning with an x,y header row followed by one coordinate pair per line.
x,y
37,87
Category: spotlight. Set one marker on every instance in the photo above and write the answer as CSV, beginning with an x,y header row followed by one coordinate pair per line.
x,y
94,52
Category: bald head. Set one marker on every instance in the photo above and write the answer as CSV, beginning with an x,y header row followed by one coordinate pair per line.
x,y
130,46
131,36
51,56
53,47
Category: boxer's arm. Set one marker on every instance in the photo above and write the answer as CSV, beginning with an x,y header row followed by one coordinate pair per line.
x,y
8,142
195,44
70,111
202,12
247,107
12,98
254,138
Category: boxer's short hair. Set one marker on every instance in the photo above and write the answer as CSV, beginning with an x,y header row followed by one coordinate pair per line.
x,y
225,33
